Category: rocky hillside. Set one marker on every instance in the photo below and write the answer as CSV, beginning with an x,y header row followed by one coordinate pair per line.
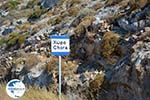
x,y
110,46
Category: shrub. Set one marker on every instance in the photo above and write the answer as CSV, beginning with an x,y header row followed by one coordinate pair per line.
x,y
73,2
73,11
109,43
84,24
137,3
68,67
87,21
86,12
32,3
2,41
24,27
16,38
11,4
79,30
55,20
36,13
112,2
95,84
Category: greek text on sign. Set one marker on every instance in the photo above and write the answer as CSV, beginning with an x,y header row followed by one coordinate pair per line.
x,y
60,45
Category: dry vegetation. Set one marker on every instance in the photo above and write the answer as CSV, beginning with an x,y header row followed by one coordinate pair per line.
x,y
31,94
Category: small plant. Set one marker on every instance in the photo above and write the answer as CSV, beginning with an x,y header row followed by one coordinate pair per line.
x,y
12,39
52,65
111,2
86,12
73,2
32,3
10,5
36,13
15,38
13,4
84,24
73,11
80,29
87,21
2,41
95,84
24,27
55,20
109,43
137,3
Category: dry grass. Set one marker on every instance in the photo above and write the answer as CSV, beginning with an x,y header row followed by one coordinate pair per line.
x,y
31,94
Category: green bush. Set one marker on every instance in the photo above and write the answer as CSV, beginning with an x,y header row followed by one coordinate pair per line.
x,y
13,38
37,13
2,41
32,3
13,4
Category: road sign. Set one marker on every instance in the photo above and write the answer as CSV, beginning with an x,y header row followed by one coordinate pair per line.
x,y
60,45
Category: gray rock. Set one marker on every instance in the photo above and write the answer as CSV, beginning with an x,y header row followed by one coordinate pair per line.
x,y
42,81
3,13
105,13
6,30
48,3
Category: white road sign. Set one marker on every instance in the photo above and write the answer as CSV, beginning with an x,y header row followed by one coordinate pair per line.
x,y
60,45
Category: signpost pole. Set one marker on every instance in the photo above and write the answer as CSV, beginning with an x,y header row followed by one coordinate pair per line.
x,y
59,77
60,46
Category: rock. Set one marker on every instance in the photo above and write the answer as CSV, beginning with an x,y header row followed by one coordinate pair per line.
x,y
20,21
42,37
44,80
147,29
42,49
3,13
48,3
135,21
37,70
28,48
6,30
19,69
38,38
142,51
123,23
32,72
106,13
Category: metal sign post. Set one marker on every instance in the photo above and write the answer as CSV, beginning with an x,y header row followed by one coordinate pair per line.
x,y
60,46
59,77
